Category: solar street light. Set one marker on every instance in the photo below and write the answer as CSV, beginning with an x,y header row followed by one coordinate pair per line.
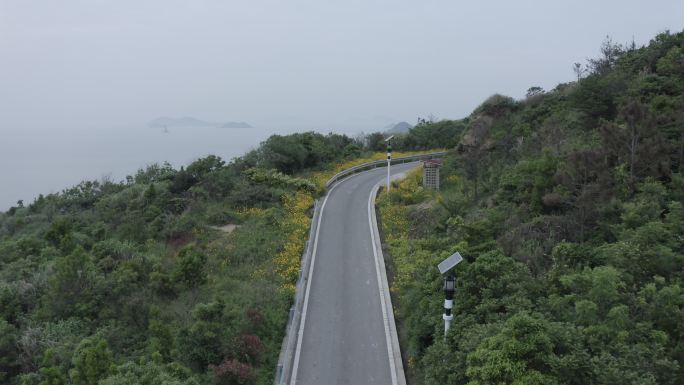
x,y
449,287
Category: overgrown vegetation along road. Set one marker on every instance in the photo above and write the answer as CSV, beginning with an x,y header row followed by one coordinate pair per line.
x,y
344,334
131,283
567,207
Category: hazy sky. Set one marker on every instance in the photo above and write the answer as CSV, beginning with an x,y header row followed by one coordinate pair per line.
x,y
79,80
294,63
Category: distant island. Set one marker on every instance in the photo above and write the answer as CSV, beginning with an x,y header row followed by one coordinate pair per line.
x,y
188,121
235,125
398,128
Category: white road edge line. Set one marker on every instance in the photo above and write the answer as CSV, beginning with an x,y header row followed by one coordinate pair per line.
x,y
385,319
300,333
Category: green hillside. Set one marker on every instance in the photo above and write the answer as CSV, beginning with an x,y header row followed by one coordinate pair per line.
x,y
142,282
567,206
173,276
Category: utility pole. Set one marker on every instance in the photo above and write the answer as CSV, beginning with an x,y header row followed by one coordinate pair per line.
x,y
389,160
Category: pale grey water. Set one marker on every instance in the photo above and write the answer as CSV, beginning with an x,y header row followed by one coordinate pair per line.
x,y
35,163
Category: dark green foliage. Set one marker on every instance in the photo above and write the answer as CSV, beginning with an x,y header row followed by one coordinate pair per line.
x,y
635,141
376,142
52,376
296,152
596,97
496,286
521,353
119,283
10,307
92,361
567,206
58,231
71,287
496,106
190,268
424,136
9,356
351,150
151,373
206,340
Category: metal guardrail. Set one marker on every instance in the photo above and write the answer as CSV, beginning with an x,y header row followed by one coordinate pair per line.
x,y
381,163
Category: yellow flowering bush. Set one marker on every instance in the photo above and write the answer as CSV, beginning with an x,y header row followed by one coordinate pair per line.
x,y
295,223
396,226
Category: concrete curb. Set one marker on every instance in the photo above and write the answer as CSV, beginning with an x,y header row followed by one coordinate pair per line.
x,y
396,348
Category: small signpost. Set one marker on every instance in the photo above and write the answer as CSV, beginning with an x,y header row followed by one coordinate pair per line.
x,y
449,287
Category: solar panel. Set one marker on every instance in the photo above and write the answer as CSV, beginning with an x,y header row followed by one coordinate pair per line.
x,y
449,263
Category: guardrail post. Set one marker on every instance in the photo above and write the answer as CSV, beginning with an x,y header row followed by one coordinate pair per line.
x,y
380,163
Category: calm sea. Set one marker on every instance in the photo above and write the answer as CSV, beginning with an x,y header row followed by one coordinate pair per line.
x,y
32,163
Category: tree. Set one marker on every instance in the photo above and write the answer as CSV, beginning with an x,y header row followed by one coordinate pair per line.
x,y
473,157
428,135
92,361
496,286
53,376
601,285
534,91
71,287
150,194
352,150
209,338
679,122
579,70
610,52
58,230
672,64
182,181
232,372
10,307
596,95
284,153
8,350
203,166
376,142
636,141
221,182
521,353
249,347
190,268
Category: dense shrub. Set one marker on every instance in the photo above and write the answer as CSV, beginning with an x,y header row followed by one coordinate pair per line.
x,y
567,207
115,282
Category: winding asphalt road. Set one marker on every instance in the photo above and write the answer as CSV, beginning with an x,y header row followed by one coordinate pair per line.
x,y
345,336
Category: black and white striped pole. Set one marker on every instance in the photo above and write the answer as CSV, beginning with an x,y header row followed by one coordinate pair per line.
x,y
389,160
449,288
